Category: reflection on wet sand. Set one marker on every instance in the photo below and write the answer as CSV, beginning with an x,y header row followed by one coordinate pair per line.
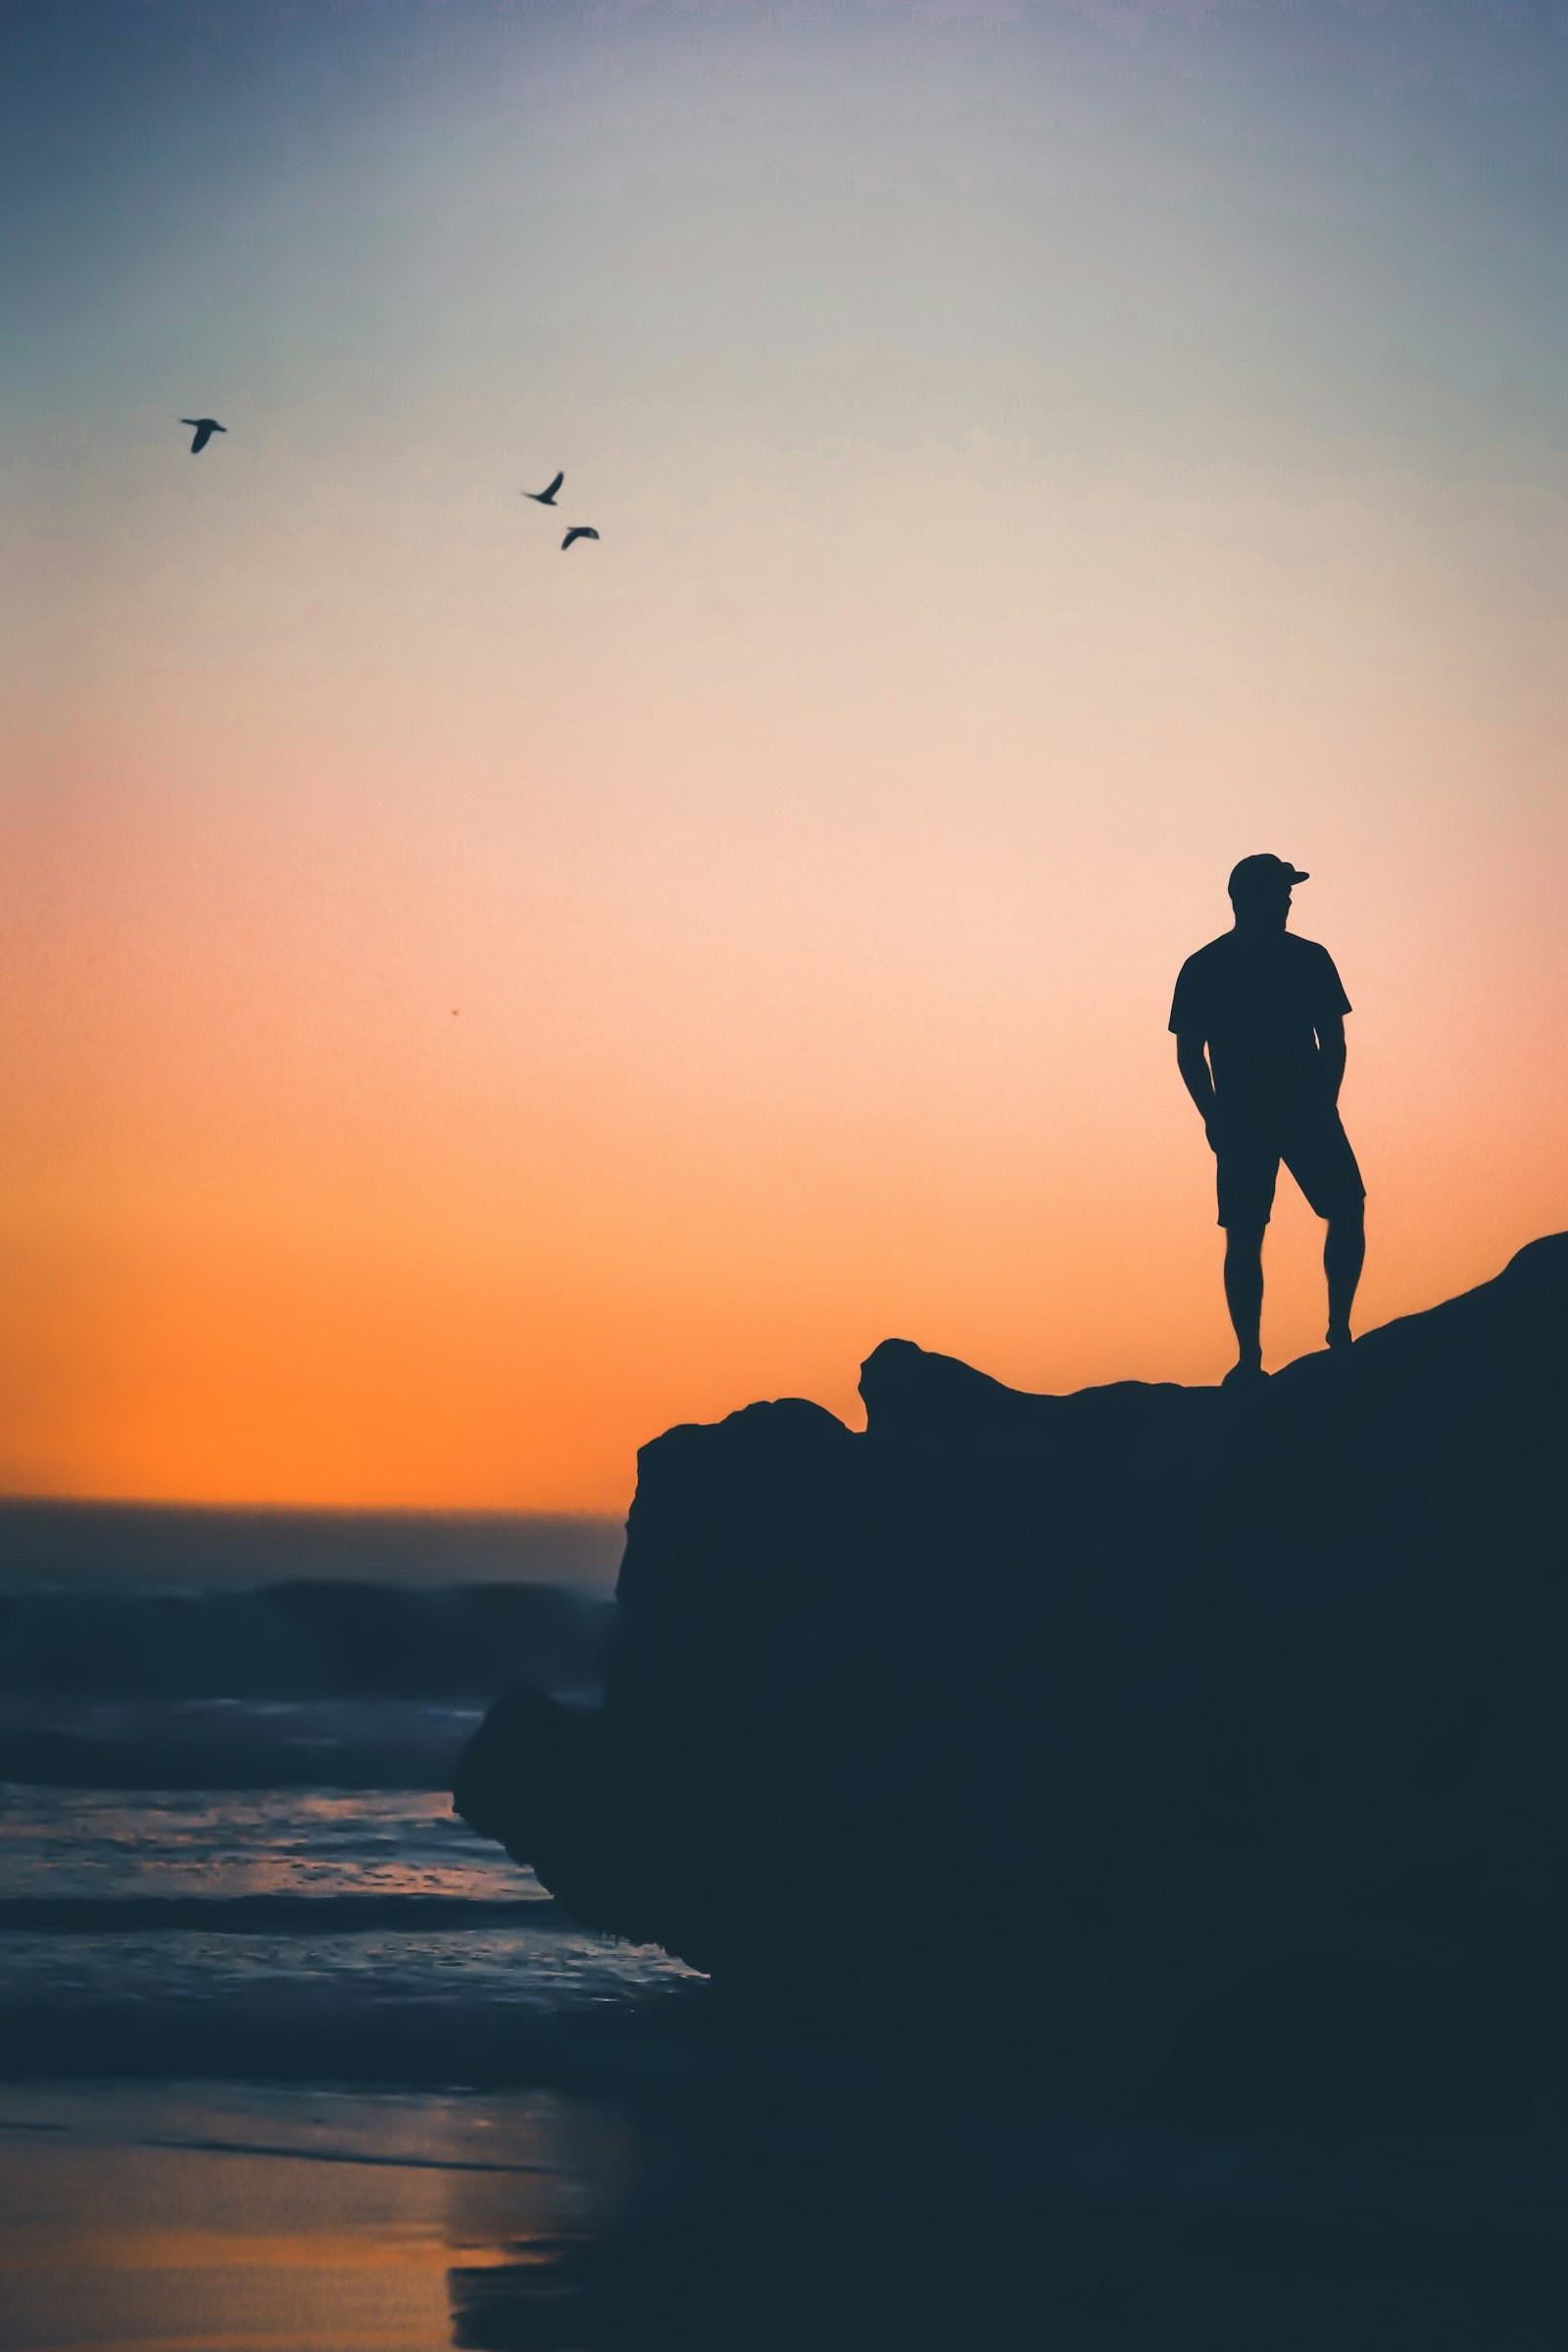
x,y
266,2220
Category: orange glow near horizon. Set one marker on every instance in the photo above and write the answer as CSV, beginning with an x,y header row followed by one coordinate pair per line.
x,y
467,1008
291,1229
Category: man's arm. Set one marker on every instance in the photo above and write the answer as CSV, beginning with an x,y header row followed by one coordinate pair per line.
x,y
1192,1063
1330,1027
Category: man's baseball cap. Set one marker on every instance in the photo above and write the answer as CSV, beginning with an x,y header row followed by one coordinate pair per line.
x,y
1263,873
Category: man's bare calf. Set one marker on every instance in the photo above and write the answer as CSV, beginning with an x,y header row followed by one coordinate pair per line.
x,y
1344,1254
1244,1295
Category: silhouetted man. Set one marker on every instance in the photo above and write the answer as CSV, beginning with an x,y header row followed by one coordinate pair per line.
x,y
1270,1009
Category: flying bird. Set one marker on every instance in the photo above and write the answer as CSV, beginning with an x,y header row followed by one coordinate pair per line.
x,y
546,498
206,428
578,530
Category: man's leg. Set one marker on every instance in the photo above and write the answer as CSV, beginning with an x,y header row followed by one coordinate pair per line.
x,y
1343,1249
1319,1156
1244,1293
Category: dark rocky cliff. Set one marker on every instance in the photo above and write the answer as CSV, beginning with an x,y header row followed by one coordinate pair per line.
x,y
1238,1723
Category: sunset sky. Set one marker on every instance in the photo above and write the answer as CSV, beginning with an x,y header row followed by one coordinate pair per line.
x,y
464,1006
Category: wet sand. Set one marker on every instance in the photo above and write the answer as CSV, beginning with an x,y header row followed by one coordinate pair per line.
x,y
753,2209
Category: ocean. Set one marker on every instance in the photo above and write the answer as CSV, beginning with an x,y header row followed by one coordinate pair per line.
x,y
291,2060
227,1838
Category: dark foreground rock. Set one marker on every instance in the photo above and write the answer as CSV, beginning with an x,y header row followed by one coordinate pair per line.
x,y
1210,1737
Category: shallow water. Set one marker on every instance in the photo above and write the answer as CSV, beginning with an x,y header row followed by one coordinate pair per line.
x,y
285,1933
318,1842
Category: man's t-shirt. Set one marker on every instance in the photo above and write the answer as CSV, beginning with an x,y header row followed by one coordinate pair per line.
x,y
1257,1004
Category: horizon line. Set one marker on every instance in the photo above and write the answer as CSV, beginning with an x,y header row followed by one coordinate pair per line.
x,y
297,1510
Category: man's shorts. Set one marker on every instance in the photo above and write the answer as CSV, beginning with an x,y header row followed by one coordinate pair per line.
x,y
1314,1146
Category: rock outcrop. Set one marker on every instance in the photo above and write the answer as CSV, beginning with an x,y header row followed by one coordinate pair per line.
x,y
1221,1734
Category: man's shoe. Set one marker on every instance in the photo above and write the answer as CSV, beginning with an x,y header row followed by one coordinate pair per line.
x,y
1244,1376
